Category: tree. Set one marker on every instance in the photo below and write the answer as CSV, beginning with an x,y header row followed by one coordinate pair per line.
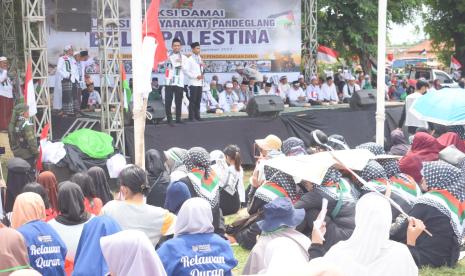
x,y
351,26
445,24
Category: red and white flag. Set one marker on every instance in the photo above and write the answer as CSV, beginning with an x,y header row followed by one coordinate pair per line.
x,y
43,140
454,63
151,28
29,91
327,55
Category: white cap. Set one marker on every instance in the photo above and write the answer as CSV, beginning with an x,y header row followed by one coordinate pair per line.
x,y
351,78
313,78
301,76
68,47
229,85
76,53
3,59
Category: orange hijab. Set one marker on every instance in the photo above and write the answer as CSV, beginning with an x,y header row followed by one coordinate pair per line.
x,y
28,207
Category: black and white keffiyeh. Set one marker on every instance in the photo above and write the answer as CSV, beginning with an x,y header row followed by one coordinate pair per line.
x,y
283,180
373,171
197,158
373,148
460,130
293,146
391,166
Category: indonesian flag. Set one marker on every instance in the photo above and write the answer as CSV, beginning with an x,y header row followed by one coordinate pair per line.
x,y
327,55
29,93
151,28
43,140
454,63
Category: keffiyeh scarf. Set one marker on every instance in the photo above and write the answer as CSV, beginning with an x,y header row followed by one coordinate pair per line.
x,y
293,146
446,193
203,178
373,148
334,186
278,184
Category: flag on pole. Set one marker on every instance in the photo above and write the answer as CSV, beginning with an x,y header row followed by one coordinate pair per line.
x,y
43,140
423,52
29,93
327,55
454,63
151,27
127,90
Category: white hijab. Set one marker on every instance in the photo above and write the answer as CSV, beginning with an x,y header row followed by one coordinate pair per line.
x,y
194,217
130,252
369,251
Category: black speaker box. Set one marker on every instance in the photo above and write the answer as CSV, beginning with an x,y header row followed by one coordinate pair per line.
x,y
74,6
265,105
73,22
157,109
363,99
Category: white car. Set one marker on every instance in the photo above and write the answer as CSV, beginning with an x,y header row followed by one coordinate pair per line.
x,y
432,74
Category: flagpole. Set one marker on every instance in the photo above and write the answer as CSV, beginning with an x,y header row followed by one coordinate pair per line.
x,y
137,68
380,99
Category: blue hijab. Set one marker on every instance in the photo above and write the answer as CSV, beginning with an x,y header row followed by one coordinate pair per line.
x,y
176,194
89,258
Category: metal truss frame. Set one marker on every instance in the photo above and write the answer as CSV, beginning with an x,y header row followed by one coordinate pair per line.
x,y
35,48
310,39
112,116
8,31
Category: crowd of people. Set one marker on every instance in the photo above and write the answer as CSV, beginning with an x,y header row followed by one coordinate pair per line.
x,y
168,219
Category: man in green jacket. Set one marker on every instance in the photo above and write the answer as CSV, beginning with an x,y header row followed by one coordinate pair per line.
x,y
21,134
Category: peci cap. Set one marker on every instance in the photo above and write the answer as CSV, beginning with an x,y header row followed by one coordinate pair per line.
x,y
68,47
283,78
295,83
3,59
270,142
228,85
268,84
84,53
244,82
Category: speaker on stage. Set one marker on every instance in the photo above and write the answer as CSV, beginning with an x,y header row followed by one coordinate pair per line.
x,y
265,105
157,109
363,99
73,15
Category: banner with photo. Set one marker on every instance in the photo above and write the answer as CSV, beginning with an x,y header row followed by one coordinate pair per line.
x,y
265,34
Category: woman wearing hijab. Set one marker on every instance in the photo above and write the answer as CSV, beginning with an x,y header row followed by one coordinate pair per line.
x,y
13,252
399,145
92,203
19,174
195,240
176,194
425,147
50,213
48,180
452,138
158,177
368,251
176,168
101,184
460,130
130,252
203,182
279,220
337,142
89,258
133,213
28,218
441,210
341,196
293,146
72,217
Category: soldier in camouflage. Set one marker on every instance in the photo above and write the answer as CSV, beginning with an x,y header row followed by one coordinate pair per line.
x,y
23,142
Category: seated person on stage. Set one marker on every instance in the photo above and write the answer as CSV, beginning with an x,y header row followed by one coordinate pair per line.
x,y
329,92
228,100
94,100
208,102
283,87
214,89
245,93
155,94
297,96
313,92
349,89
267,90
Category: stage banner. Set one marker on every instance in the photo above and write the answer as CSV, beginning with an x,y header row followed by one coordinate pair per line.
x,y
262,34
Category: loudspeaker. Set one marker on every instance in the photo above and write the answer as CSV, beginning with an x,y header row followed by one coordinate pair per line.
x,y
363,99
157,109
73,22
74,6
265,105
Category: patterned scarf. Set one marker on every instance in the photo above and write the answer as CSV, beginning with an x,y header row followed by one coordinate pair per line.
x,y
278,184
446,193
391,166
334,186
373,148
293,146
460,130
373,171
203,178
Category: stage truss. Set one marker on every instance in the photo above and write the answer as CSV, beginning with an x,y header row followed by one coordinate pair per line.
x,y
8,33
35,48
310,38
112,117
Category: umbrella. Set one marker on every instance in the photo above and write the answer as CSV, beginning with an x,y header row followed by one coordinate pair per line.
x,y
313,167
445,107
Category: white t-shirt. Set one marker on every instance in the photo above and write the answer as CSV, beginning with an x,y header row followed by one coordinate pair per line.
x,y
329,93
70,234
410,118
294,94
6,88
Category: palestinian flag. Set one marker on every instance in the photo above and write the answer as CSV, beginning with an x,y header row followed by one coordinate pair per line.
x,y
269,191
407,185
454,63
126,88
209,184
285,19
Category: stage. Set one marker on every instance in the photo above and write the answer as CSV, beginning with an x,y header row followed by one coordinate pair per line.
x,y
215,132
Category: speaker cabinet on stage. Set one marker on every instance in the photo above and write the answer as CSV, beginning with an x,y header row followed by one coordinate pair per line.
x,y
73,15
265,105
363,99
157,109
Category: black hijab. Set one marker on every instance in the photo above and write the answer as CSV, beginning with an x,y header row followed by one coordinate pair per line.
x,y
158,177
19,174
101,184
71,204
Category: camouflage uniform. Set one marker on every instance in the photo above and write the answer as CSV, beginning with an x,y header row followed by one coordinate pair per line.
x,y
21,134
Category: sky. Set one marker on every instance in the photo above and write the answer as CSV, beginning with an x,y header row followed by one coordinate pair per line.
x,y
410,33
